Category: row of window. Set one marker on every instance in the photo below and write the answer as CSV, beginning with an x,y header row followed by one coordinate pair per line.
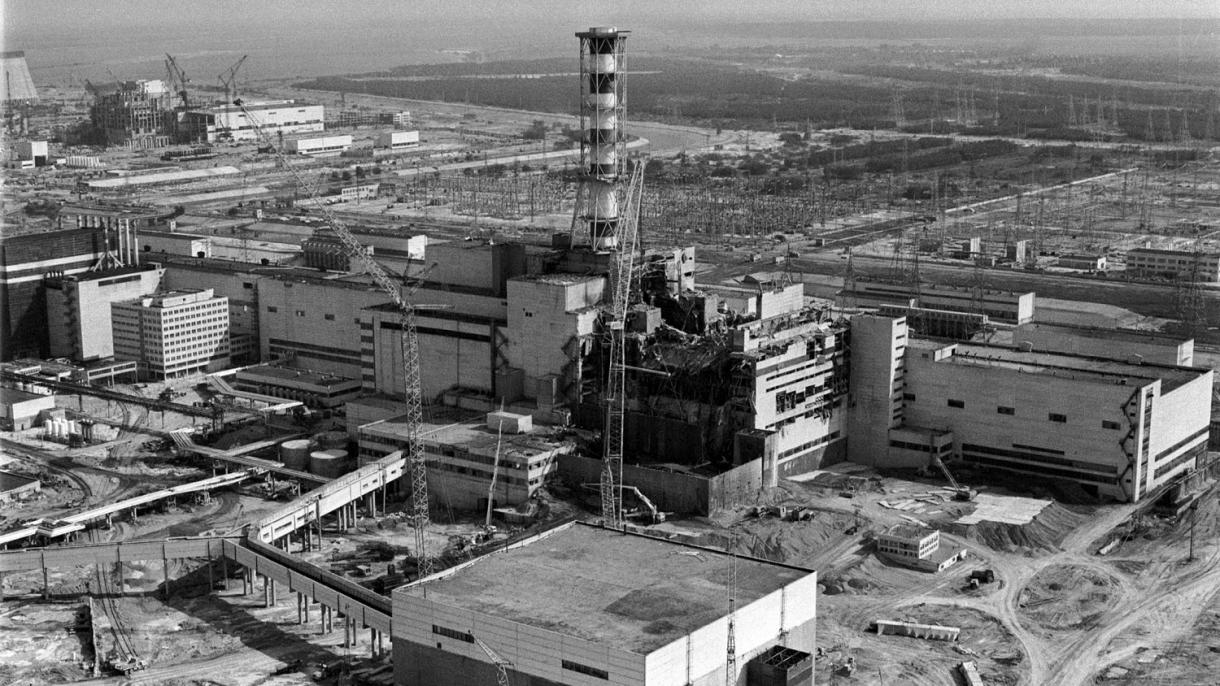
x,y
1012,411
467,637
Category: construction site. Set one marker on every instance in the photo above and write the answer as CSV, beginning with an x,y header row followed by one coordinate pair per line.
x,y
799,405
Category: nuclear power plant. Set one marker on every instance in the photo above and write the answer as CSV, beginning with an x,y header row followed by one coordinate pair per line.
x,y
733,387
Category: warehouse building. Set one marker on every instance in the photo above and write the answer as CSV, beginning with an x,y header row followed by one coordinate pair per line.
x,y
396,141
579,604
20,410
229,122
322,146
314,389
172,334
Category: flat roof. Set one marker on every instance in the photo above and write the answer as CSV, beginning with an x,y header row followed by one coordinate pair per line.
x,y
1066,365
1176,253
1129,335
632,591
302,375
10,396
165,177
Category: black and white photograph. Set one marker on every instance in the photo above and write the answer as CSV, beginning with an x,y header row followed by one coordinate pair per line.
x,y
623,343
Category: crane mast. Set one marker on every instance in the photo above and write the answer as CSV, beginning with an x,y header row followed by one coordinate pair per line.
x,y
412,386
621,272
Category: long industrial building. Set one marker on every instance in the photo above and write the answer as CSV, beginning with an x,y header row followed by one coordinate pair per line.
x,y
584,605
1120,429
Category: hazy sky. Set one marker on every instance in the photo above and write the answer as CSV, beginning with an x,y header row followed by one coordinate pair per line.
x,y
74,39
25,15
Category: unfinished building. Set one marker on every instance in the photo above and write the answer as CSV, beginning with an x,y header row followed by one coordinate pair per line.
x,y
614,607
136,114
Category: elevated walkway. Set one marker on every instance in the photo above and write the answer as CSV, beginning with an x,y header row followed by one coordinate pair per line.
x,y
56,528
330,497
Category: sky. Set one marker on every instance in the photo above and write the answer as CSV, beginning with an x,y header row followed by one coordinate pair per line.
x,y
91,38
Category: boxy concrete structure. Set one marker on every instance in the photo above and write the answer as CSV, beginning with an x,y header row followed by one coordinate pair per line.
x,y
584,605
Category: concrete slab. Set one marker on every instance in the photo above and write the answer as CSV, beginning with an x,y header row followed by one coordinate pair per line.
x,y
1004,509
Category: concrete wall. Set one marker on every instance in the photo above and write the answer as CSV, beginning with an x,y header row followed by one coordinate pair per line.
x,y
533,651
1081,447
546,320
476,265
452,353
875,396
78,313
154,242
699,658
318,321
676,491
1180,428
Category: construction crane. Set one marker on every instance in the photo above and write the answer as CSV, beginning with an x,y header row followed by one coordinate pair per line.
x,y
960,492
177,79
229,79
621,272
730,658
495,472
498,660
412,386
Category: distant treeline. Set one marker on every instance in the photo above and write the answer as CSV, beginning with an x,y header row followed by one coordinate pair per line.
x,y
722,94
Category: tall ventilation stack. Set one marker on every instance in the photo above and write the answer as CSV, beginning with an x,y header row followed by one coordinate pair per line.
x,y
603,145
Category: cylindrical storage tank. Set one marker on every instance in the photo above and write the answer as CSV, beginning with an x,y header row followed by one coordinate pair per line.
x,y
73,426
328,463
295,454
331,440
48,427
61,428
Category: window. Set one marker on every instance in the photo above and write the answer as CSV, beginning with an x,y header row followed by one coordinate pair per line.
x,y
956,403
908,396
585,669
300,313
1106,424
1005,410
272,308
452,633
330,317
1061,418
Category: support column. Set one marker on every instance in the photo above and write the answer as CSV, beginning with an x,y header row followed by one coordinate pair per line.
x,y
308,601
224,570
266,592
271,586
317,518
300,619
245,582
46,583
347,630
373,642
211,582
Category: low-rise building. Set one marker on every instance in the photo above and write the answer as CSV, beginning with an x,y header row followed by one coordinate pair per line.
x,y
1132,345
20,410
172,334
314,389
1174,264
398,140
463,456
1088,263
580,604
322,146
